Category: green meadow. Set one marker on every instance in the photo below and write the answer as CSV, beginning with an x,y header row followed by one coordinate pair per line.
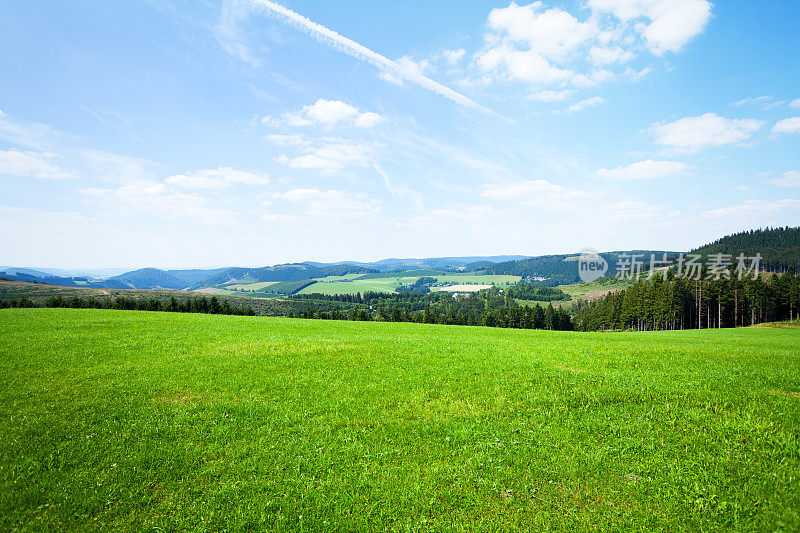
x,y
146,421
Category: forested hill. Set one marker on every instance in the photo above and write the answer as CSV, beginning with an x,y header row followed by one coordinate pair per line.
x,y
559,269
779,247
288,272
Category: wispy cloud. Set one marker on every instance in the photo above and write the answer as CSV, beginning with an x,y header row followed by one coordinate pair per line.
x,y
643,170
361,52
32,165
583,104
790,178
692,134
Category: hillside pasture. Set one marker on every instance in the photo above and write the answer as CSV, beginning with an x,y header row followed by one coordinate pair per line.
x,y
595,289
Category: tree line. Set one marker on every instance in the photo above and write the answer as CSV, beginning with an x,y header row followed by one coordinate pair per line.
x,y
190,305
668,302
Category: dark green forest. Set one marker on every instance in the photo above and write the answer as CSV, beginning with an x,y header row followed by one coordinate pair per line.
x,y
669,302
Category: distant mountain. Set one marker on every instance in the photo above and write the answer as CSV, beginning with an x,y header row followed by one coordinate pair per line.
x,y
287,272
779,247
92,273
428,263
192,276
150,278
13,271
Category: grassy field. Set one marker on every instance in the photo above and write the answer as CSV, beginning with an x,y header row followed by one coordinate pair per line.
x,y
161,421
478,279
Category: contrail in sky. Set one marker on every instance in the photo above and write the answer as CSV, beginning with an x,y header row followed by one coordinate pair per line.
x,y
352,48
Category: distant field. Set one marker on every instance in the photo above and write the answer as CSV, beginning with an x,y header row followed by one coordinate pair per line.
x,y
339,278
137,421
386,283
352,287
251,286
461,288
486,279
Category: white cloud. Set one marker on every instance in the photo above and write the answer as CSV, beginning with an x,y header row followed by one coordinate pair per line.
x,y
553,33
636,75
583,104
643,170
696,133
607,56
672,23
32,165
330,111
2,114
530,190
795,103
227,33
790,178
278,217
217,178
327,113
540,46
528,66
766,102
755,207
455,218
362,53
454,56
629,210
551,96
787,125
332,203
415,69
368,120
118,168
31,134
287,140
158,199
331,157
411,69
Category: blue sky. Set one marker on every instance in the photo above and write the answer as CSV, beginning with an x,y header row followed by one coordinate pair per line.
x,y
252,133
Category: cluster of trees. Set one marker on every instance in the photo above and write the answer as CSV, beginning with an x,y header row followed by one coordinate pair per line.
x,y
486,308
529,291
422,285
190,305
670,302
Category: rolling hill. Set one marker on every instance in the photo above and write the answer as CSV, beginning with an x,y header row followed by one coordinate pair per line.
x,y
559,269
